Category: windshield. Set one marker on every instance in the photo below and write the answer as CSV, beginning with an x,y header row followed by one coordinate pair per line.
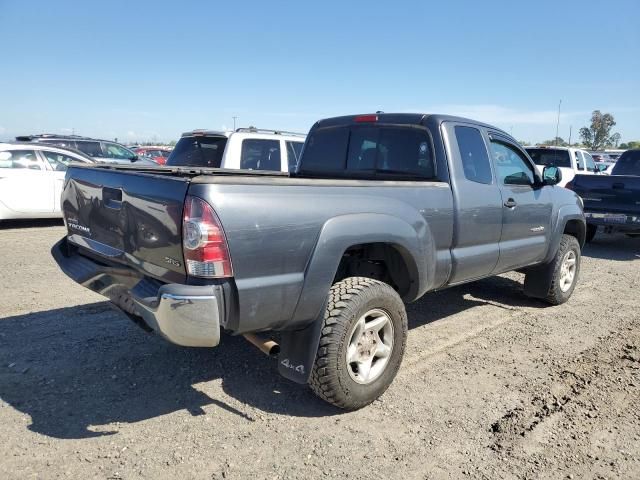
x,y
550,156
198,152
628,164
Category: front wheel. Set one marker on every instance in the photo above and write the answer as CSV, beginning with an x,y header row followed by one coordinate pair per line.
x,y
362,343
558,278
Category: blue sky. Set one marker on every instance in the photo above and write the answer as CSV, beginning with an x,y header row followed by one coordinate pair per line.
x,y
148,70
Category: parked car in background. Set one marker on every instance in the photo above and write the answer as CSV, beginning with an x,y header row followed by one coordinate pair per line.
x,y
100,150
600,157
31,178
571,161
612,201
381,209
605,167
157,154
614,154
244,149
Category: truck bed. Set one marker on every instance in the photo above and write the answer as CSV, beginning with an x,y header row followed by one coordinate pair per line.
x,y
609,193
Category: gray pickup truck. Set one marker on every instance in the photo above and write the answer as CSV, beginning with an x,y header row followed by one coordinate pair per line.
x,y
382,209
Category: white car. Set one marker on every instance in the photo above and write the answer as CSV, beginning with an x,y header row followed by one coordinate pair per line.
x,y
244,148
571,161
31,178
103,151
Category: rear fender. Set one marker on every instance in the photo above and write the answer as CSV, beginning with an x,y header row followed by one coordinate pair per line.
x,y
414,242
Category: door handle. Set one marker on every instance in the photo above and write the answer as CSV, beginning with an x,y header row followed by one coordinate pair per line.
x,y
511,203
618,186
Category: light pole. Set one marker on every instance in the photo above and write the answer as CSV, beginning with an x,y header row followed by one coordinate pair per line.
x,y
558,123
234,123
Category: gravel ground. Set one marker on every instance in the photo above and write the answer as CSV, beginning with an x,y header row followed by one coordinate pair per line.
x,y
493,385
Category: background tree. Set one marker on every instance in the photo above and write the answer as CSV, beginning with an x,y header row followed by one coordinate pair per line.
x,y
598,135
614,140
558,141
628,145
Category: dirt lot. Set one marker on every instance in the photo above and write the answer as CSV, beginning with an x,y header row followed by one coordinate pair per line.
x,y
493,385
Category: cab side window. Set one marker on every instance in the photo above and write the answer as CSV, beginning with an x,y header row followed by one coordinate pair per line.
x,y
293,152
512,167
260,155
58,161
20,159
473,153
590,164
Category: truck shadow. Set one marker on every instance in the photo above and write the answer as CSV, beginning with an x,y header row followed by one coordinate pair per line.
x,y
617,247
77,371
31,223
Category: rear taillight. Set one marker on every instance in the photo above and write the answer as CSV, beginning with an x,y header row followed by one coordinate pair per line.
x,y
205,247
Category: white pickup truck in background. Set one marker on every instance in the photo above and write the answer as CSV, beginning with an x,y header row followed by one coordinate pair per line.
x,y
244,149
571,161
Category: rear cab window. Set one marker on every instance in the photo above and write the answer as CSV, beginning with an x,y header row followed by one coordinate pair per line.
x,y
198,151
628,164
550,157
386,152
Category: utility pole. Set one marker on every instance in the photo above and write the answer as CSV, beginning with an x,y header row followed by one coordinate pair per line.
x,y
570,131
558,122
234,123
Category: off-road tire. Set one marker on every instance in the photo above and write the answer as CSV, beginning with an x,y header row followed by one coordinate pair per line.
x,y
551,272
348,300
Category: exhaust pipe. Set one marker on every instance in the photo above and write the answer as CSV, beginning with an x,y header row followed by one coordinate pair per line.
x,y
268,347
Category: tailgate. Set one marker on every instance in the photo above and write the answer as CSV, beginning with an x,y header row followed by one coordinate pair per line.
x,y
609,193
128,217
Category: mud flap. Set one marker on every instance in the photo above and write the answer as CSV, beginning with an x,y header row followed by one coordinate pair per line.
x,y
298,350
537,281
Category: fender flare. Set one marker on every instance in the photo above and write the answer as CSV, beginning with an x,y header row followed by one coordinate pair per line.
x,y
566,213
538,279
414,242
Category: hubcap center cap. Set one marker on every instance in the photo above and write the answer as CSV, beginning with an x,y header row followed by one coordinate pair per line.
x,y
367,345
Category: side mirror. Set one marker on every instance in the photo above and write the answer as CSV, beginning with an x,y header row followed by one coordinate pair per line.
x,y
551,175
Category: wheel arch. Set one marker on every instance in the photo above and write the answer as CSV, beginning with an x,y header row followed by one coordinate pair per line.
x,y
569,220
340,235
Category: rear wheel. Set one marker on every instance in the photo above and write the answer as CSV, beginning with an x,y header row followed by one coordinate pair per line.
x,y
362,343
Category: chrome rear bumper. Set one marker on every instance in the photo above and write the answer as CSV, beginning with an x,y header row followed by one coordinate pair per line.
x,y
187,315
